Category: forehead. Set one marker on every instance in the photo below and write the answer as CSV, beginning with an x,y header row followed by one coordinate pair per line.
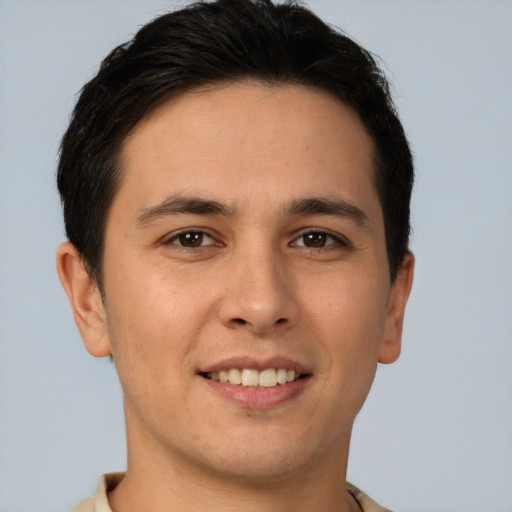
x,y
243,139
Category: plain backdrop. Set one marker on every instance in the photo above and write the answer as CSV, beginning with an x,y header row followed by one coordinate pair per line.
x,y
436,431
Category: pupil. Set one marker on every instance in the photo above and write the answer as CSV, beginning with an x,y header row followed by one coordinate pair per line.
x,y
315,239
191,239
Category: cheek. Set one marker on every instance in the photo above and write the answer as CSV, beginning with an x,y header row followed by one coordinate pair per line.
x,y
354,301
151,323
350,316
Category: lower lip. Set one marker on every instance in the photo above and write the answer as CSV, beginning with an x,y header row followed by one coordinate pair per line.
x,y
258,398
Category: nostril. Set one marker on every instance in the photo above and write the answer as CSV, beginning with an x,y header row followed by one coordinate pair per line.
x,y
241,321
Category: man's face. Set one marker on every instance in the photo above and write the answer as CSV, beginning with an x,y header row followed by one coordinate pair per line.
x,y
247,235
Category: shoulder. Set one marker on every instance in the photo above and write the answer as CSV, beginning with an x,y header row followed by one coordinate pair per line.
x,y
99,502
364,501
86,505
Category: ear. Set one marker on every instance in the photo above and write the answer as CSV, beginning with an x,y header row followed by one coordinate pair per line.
x,y
400,290
85,299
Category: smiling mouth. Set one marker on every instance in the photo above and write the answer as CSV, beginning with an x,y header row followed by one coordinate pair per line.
x,y
250,377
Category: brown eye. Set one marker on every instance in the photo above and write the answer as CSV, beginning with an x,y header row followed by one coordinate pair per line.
x,y
315,239
190,239
319,240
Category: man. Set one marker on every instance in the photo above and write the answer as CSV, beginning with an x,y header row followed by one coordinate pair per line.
x,y
236,189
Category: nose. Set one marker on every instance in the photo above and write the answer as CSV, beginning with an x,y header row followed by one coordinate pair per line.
x,y
260,295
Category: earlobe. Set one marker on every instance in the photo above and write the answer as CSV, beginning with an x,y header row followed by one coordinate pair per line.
x,y
400,290
85,299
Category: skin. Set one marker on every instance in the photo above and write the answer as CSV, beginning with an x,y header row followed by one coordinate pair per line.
x,y
254,287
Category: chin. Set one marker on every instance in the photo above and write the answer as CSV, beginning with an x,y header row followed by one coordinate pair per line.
x,y
267,456
258,469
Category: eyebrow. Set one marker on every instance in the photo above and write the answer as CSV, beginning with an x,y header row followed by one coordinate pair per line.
x,y
178,205
199,206
328,206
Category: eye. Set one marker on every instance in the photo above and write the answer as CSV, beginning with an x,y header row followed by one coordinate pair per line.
x,y
318,240
191,239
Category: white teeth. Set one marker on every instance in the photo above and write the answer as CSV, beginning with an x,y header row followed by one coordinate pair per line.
x,y
281,376
235,376
268,378
250,377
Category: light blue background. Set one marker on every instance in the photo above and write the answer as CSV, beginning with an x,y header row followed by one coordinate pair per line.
x,y
436,432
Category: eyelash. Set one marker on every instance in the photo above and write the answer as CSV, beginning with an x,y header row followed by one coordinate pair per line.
x,y
339,241
173,240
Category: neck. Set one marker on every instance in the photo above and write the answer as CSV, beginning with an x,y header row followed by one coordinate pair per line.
x,y
155,492
157,481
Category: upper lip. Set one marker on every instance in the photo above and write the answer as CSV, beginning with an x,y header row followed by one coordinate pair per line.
x,y
259,363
